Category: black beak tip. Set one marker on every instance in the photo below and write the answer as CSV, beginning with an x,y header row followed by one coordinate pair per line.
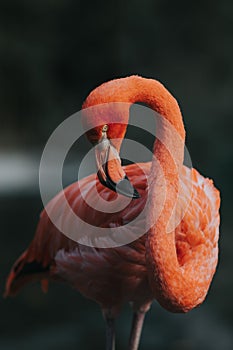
x,y
125,187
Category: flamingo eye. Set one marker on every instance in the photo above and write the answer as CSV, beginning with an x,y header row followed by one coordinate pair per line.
x,y
105,128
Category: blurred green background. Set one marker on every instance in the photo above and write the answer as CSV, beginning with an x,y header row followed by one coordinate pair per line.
x,y
52,53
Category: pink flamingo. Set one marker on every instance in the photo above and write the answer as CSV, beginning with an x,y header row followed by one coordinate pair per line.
x,y
176,269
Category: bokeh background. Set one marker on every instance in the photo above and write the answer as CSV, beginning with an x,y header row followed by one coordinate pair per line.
x,y
52,53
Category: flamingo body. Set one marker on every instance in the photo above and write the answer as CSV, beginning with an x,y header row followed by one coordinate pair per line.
x,y
114,276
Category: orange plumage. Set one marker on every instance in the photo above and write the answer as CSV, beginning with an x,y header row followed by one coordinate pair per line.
x,y
175,268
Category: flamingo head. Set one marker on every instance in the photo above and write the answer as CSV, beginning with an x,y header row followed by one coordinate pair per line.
x,y
107,137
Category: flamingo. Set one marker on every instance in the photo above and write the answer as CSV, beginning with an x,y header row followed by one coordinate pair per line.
x,y
176,268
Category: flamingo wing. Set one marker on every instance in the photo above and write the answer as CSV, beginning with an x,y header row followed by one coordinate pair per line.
x,y
49,243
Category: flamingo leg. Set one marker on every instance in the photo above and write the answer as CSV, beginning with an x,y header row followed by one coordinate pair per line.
x,y
136,330
110,333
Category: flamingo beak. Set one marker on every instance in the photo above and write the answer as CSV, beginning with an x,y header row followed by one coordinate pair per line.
x,y
110,171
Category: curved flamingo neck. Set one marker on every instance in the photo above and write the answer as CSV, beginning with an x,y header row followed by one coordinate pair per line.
x,y
130,90
172,285
137,89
